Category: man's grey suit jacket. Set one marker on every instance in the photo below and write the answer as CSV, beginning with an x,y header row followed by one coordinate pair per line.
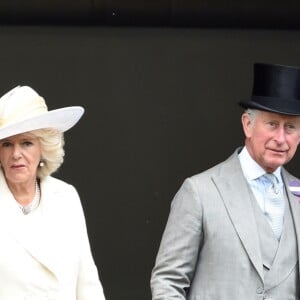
x,y
210,247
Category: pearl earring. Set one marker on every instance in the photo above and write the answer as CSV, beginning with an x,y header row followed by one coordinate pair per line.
x,y
41,164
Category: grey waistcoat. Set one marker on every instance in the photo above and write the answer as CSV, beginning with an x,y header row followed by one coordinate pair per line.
x,y
279,258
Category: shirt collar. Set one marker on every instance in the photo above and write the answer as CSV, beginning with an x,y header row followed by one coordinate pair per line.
x,y
252,169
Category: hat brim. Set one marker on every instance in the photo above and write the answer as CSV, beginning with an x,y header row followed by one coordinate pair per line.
x,y
61,119
286,107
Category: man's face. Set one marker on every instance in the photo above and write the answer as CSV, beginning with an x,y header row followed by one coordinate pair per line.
x,y
271,138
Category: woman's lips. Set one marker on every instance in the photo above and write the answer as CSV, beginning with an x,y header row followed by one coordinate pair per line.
x,y
17,166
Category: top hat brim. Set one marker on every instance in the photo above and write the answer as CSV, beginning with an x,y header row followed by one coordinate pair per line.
x,y
61,119
273,104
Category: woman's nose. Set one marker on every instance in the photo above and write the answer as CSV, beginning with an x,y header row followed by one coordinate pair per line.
x,y
17,152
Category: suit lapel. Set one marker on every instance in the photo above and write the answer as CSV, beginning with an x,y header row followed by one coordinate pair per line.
x,y
294,204
236,195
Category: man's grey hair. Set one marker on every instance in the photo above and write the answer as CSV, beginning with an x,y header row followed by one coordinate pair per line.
x,y
252,113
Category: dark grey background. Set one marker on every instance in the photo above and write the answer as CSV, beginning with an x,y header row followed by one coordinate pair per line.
x,y
161,105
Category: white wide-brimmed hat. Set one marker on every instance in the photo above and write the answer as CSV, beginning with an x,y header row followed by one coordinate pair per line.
x,y
22,109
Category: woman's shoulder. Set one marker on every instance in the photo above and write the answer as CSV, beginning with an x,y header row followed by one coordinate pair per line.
x,y
59,192
55,184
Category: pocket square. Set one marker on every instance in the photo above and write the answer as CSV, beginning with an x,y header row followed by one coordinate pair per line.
x,y
294,187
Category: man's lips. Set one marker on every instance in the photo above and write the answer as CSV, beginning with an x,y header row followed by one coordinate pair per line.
x,y
278,151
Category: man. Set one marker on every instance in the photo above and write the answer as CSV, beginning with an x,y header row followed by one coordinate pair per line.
x,y
233,230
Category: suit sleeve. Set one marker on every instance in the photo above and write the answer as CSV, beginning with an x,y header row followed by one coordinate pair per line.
x,y
177,256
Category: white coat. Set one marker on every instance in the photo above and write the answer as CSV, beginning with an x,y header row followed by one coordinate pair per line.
x,y
46,254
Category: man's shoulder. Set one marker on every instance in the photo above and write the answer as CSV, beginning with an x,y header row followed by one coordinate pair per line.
x,y
225,168
289,176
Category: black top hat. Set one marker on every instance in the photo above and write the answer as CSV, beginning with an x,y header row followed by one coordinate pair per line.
x,y
276,88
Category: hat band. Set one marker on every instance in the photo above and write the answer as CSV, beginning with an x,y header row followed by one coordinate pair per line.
x,y
277,104
263,99
22,113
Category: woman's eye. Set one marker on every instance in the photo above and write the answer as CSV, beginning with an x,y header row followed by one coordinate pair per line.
x,y
6,144
27,143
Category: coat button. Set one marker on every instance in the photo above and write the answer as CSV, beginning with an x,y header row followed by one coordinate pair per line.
x,y
259,290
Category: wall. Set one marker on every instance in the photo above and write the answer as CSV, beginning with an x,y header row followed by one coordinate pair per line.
x,y
161,105
204,13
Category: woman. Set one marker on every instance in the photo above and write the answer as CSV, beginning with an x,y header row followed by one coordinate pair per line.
x,y
44,252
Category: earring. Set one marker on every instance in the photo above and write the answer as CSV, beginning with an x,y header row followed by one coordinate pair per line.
x,y
41,164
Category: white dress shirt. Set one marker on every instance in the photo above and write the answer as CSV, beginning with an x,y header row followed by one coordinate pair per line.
x,y
252,171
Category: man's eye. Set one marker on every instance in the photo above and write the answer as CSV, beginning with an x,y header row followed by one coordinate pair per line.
x,y
290,126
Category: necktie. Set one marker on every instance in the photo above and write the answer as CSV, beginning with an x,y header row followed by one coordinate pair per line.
x,y
273,202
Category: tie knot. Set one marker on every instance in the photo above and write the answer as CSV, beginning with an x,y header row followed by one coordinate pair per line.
x,y
270,181
271,178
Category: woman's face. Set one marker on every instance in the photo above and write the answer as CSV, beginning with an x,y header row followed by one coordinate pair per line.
x,y
19,157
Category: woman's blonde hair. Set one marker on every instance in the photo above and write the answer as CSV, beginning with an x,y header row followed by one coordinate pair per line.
x,y
52,149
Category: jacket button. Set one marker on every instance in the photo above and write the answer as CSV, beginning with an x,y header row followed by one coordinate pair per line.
x,y
259,290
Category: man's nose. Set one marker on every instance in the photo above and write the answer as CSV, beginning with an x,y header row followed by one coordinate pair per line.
x,y
280,135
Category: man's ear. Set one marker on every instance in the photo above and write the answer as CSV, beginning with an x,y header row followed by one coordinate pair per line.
x,y
247,124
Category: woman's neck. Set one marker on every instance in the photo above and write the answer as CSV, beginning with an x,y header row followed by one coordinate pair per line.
x,y
23,193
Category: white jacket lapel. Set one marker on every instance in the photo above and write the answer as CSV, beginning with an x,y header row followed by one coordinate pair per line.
x,y
37,242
